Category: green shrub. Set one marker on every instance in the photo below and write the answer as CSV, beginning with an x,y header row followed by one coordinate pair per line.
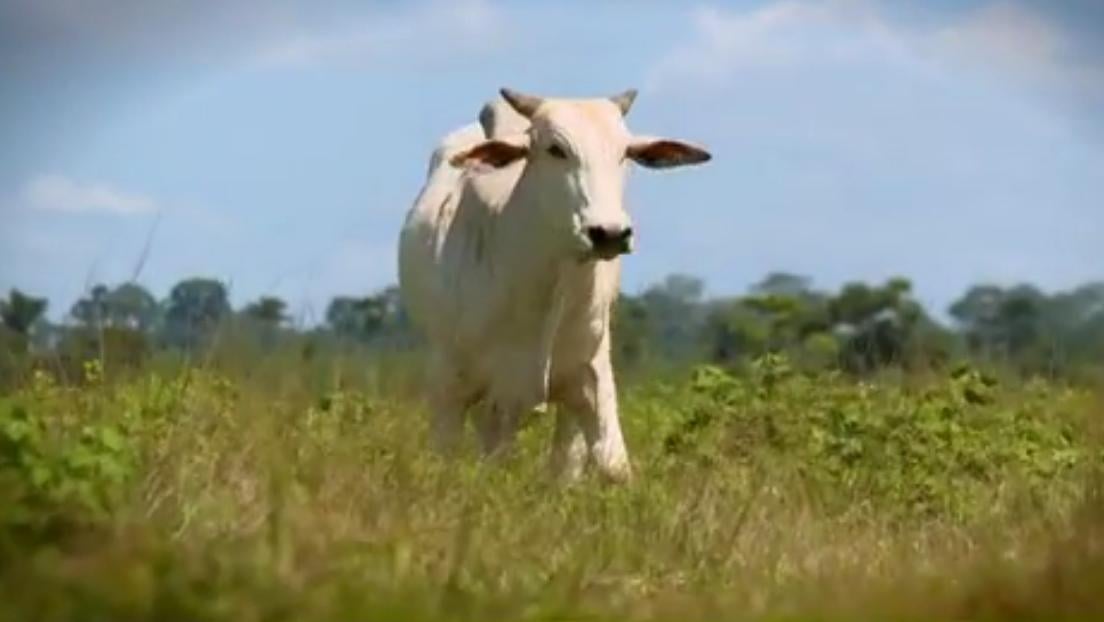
x,y
956,447
59,467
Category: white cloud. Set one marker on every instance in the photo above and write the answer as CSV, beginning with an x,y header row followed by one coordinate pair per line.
x,y
436,29
779,34
56,193
1025,48
1001,38
1006,38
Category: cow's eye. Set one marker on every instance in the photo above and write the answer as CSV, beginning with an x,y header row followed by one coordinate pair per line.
x,y
557,151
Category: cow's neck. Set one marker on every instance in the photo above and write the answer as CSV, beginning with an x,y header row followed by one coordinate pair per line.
x,y
540,269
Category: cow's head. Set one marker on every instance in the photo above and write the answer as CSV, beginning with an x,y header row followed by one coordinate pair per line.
x,y
577,153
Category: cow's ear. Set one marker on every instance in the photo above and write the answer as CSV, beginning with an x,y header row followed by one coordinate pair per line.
x,y
491,153
665,152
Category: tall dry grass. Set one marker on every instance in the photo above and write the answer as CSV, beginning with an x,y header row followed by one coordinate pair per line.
x,y
292,490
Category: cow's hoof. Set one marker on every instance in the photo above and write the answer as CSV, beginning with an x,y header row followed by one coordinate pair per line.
x,y
620,473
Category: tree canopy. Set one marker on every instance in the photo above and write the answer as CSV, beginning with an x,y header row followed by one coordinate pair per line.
x,y
859,328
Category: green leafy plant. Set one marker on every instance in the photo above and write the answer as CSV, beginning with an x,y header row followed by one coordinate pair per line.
x,y
57,467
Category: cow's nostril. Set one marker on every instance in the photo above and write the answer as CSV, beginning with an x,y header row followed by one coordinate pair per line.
x,y
597,235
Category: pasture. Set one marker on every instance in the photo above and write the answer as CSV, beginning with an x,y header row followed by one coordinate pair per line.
x,y
295,488
839,356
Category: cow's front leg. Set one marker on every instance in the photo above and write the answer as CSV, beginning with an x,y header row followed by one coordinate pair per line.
x,y
569,448
591,394
498,427
520,385
450,396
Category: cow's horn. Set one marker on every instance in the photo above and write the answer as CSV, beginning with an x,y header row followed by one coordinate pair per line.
x,y
525,105
624,100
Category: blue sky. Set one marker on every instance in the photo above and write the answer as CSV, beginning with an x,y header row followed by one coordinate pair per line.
x,y
277,146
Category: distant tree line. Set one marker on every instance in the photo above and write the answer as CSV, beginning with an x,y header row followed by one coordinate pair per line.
x,y
861,328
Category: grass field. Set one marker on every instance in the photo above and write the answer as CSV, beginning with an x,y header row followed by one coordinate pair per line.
x,y
295,492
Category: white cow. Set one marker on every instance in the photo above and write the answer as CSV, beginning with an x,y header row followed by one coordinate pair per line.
x,y
509,262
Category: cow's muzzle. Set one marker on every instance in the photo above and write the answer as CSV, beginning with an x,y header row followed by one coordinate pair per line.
x,y
609,242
